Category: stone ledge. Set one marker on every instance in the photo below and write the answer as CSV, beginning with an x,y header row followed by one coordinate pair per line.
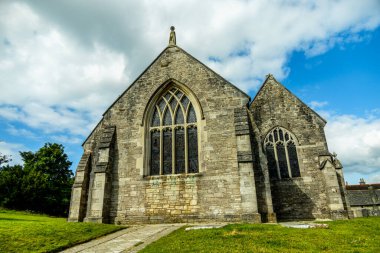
x,y
172,176
244,156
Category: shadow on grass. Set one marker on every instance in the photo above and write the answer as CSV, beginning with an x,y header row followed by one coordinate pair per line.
x,y
16,219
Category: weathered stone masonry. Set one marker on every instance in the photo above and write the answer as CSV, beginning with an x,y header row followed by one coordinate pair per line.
x,y
114,182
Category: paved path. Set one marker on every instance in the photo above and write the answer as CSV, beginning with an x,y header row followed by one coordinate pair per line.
x,y
131,239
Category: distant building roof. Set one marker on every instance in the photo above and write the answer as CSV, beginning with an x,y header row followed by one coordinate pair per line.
x,y
363,194
362,186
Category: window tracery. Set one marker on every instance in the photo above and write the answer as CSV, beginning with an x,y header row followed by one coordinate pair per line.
x,y
281,152
173,135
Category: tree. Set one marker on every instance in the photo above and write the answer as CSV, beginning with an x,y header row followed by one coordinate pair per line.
x,y
42,185
48,179
4,159
11,178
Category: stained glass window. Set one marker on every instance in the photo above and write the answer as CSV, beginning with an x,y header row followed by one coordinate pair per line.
x,y
179,94
281,154
272,166
179,116
179,151
185,102
173,104
275,132
156,118
168,155
282,163
281,135
192,150
191,117
167,152
162,105
293,160
155,153
167,118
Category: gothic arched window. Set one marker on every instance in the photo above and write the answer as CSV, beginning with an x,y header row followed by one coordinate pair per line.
x,y
281,154
173,135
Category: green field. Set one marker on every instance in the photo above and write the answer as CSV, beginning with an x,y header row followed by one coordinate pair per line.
x,y
25,232
357,235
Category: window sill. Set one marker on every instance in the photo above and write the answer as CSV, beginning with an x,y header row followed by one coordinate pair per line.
x,y
173,176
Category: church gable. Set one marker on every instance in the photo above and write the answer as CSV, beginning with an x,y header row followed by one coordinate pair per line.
x,y
274,105
174,65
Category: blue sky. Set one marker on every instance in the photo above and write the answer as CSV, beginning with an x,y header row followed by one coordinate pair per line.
x,y
63,63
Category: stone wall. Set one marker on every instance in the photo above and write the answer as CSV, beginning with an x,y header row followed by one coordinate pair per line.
x,y
295,198
213,193
233,183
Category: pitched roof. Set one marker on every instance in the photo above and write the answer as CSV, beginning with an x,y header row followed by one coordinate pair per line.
x,y
363,197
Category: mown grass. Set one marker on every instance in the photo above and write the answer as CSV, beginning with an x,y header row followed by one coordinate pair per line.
x,y
25,232
357,235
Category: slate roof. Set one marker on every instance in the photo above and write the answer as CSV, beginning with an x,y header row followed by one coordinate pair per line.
x,y
362,186
363,194
362,198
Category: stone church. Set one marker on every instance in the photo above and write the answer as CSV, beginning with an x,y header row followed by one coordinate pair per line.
x,y
182,144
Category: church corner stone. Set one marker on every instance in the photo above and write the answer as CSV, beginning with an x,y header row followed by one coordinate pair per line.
x,y
182,144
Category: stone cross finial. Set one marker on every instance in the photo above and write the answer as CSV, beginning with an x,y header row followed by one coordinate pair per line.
x,y
172,39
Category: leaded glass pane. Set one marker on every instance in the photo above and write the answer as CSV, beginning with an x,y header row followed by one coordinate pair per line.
x,y
282,163
192,150
286,136
271,138
167,118
275,133
167,96
293,161
191,117
179,116
155,153
162,105
173,103
272,167
281,135
167,152
179,151
185,102
156,118
179,94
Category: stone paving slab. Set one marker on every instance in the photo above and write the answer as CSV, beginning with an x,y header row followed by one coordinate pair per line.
x,y
131,239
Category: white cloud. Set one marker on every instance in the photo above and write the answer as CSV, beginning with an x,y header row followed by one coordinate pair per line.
x,y
318,104
66,139
356,140
12,149
24,133
63,62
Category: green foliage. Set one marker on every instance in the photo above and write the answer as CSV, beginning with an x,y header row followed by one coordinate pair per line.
x,y
11,192
42,185
25,232
357,235
4,159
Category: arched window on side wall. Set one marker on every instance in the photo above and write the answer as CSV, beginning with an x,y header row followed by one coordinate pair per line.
x,y
173,135
281,152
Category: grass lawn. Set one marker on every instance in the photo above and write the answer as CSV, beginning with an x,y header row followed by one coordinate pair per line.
x,y
357,235
25,232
